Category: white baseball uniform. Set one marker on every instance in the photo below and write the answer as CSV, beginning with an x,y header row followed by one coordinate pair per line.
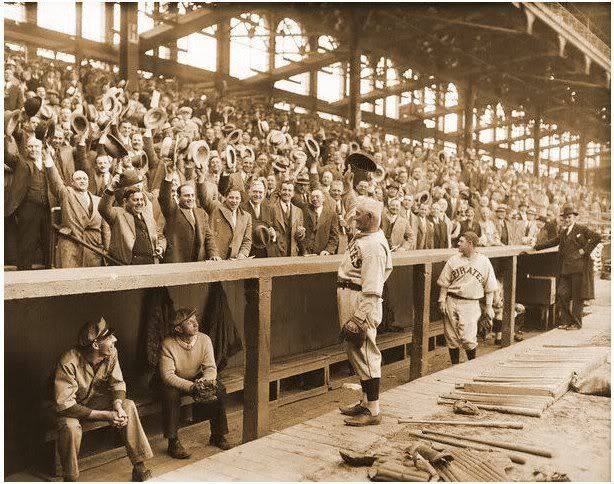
x,y
464,281
364,269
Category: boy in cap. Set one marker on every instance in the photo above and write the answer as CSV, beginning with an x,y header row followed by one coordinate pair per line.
x,y
187,367
89,385
465,279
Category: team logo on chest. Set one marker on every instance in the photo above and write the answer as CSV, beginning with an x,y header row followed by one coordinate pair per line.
x,y
355,257
462,270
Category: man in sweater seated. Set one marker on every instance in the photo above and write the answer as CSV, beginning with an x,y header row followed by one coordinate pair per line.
x,y
187,367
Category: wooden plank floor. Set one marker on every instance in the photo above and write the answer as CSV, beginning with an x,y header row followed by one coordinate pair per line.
x,y
310,450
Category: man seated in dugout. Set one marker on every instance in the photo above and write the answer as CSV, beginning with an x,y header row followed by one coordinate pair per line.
x,y
187,367
89,385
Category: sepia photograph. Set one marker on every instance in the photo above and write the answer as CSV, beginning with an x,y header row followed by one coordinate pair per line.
x,y
311,241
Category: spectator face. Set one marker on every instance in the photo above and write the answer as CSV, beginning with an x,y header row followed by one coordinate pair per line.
x,y
403,177
135,203
58,138
394,206
408,201
125,128
436,210
233,200
103,164
417,174
484,201
247,165
470,213
287,192
210,134
187,197
392,191
336,190
80,181
327,178
40,92
246,138
34,148
257,193
567,220
423,210
215,165
137,142
501,214
362,187
317,199
378,193
189,327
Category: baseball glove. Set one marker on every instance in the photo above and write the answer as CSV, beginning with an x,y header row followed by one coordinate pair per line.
x,y
484,326
355,332
204,390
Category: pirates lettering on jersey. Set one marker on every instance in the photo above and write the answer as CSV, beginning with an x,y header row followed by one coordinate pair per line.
x,y
462,270
355,256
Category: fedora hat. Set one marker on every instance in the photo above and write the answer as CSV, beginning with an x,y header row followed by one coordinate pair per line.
x,y
423,196
234,136
261,236
276,138
155,118
280,164
32,105
199,151
313,148
11,120
248,153
228,128
78,123
354,146
114,146
44,129
129,177
568,209
231,157
361,161
302,179
298,156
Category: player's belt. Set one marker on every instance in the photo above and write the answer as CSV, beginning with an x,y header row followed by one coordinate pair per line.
x,y
348,285
456,296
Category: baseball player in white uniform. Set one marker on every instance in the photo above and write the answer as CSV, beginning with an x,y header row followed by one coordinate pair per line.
x,y
361,276
465,279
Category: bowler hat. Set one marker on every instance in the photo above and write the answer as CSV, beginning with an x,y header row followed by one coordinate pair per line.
x,y
44,129
312,147
568,209
276,138
280,164
129,177
11,119
234,136
302,179
93,331
155,118
114,146
79,123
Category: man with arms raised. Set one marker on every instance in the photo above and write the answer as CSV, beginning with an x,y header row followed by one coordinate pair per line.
x,y
360,281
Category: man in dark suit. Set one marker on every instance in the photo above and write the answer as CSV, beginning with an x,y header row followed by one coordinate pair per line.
x,y
288,223
261,214
30,201
321,226
424,229
576,242
188,236
441,238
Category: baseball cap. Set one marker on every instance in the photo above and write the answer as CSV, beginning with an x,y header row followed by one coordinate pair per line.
x,y
93,331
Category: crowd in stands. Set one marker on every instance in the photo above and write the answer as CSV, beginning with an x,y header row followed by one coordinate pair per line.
x,y
154,173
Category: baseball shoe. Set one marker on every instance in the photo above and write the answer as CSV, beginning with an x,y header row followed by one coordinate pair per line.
x,y
220,442
498,342
140,473
176,450
353,410
363,420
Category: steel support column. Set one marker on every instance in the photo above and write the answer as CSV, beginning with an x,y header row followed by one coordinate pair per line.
x,y
354,104
31,18
108,22
536,140
129,44
78,30
173,8
313,73
223,54
582,178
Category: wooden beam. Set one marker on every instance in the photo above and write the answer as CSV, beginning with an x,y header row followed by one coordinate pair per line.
x,y
509,299
187,24
421,329
129,44
493,28
257,330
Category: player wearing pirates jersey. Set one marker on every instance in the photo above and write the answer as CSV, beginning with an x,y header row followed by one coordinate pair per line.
x,y
361,276
465,279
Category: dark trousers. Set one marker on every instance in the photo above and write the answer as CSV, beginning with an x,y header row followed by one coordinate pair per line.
x,y
215,411
33,233
568,291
